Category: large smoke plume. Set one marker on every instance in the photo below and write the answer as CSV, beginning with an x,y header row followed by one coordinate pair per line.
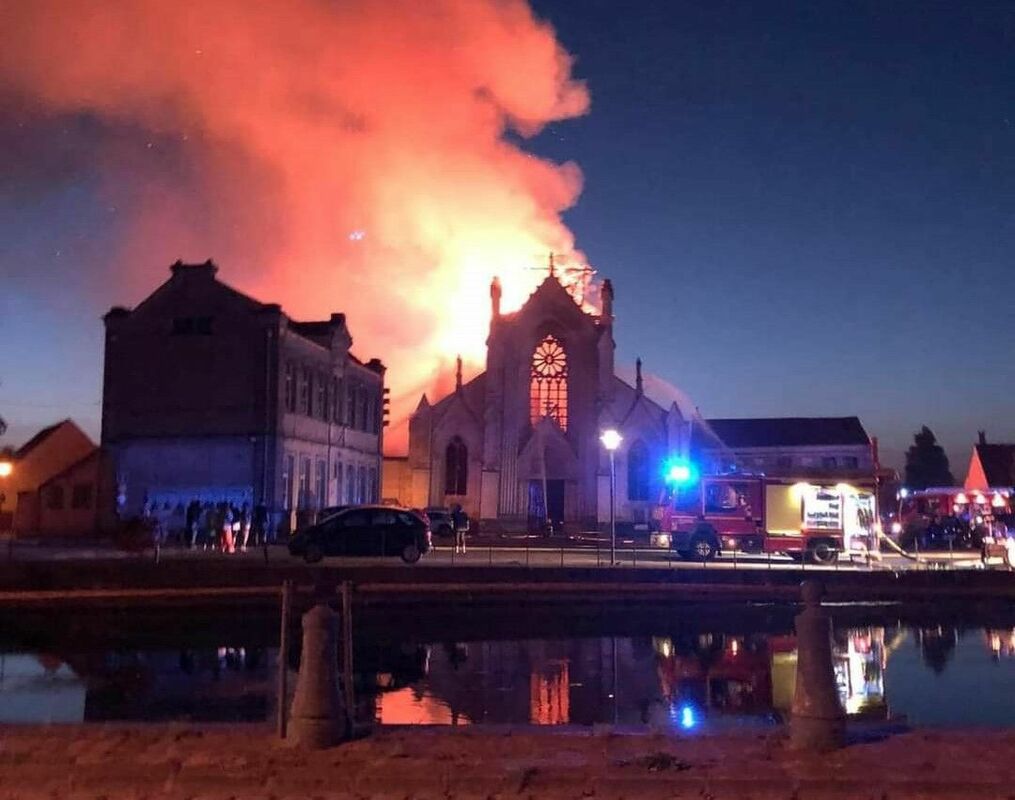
x,y
354,156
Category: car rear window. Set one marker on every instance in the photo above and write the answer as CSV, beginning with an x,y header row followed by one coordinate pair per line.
x,y
407,519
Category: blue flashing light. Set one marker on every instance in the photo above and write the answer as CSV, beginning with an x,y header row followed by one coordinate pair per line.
x,y
680,472
686,716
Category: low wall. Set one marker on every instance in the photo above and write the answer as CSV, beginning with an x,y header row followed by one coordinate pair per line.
x,y
18,580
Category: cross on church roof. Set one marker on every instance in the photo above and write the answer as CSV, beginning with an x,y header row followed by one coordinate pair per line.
x,y
576,279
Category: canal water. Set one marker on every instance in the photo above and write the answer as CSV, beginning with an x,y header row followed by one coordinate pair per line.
x,y
683,680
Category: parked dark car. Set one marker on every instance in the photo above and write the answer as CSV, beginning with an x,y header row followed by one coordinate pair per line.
x,y
330,511
440,521
364,531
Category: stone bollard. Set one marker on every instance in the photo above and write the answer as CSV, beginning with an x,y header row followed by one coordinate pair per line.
x,y
818,722
318,718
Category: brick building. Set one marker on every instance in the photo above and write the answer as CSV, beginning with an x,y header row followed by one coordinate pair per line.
x,y
209,394
57,486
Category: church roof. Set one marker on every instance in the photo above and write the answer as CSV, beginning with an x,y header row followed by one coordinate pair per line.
x,y
472,395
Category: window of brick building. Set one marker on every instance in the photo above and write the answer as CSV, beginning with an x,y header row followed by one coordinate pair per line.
x,y
321,398
303,396
54,498
350,484
304,487
191,326
350,404
290,387
81,495
288,465
322,484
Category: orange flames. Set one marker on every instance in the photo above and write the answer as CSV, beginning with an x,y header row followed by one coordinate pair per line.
x,y
329,155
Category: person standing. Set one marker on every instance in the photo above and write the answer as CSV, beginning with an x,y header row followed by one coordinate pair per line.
x,y
191,521
244,526
211,526
260,524
460,521
226,527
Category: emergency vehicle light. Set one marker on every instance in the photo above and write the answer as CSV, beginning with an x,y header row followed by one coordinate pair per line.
x,y
680,472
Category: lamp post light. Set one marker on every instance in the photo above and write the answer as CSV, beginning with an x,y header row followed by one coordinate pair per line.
x,y
611,440
6,468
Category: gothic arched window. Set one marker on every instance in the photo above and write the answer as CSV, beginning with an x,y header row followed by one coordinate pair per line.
x,y
456,467
548,382
638,472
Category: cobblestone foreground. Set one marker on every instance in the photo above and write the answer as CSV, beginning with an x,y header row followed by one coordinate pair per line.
x,y
113,762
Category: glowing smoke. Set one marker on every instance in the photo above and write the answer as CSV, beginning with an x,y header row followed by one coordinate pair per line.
x,y
329,155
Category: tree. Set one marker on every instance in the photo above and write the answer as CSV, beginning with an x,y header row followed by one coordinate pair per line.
x,y
926,462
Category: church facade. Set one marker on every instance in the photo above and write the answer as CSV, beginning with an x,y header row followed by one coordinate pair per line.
x,y
518,445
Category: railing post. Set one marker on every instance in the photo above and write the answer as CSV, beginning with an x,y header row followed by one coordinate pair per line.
x,y
282,688
348,688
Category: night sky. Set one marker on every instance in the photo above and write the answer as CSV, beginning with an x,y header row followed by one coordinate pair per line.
x,y
806,209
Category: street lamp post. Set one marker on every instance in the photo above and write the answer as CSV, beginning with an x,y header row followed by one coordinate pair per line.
x,y
611,440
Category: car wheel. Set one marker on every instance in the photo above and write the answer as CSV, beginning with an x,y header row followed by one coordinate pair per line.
x,y
411,553
313,554
702,548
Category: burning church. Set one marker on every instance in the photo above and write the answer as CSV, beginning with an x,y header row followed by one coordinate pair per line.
x,y
519,443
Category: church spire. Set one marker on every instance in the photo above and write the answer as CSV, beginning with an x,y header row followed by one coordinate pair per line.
x,y
553,267
495,295
639,387
606,293
458,374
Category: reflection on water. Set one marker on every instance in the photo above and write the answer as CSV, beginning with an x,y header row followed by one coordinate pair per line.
x,y
679,682
708,681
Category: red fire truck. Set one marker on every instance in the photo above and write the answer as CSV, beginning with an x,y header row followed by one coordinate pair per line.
x,y
700,517
951,516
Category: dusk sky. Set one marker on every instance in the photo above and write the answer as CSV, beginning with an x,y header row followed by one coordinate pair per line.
x,y
806,209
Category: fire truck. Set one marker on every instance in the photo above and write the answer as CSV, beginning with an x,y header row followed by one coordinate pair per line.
x,y
951,517
700,517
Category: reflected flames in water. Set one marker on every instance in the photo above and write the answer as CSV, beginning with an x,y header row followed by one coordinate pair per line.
x,y
677,682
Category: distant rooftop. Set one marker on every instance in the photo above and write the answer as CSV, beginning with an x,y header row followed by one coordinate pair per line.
x,y
998,462
790,431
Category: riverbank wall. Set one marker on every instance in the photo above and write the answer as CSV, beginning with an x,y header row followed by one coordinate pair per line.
x,y
247,580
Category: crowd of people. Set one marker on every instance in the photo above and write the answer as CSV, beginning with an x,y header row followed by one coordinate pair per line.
x,y
224,526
